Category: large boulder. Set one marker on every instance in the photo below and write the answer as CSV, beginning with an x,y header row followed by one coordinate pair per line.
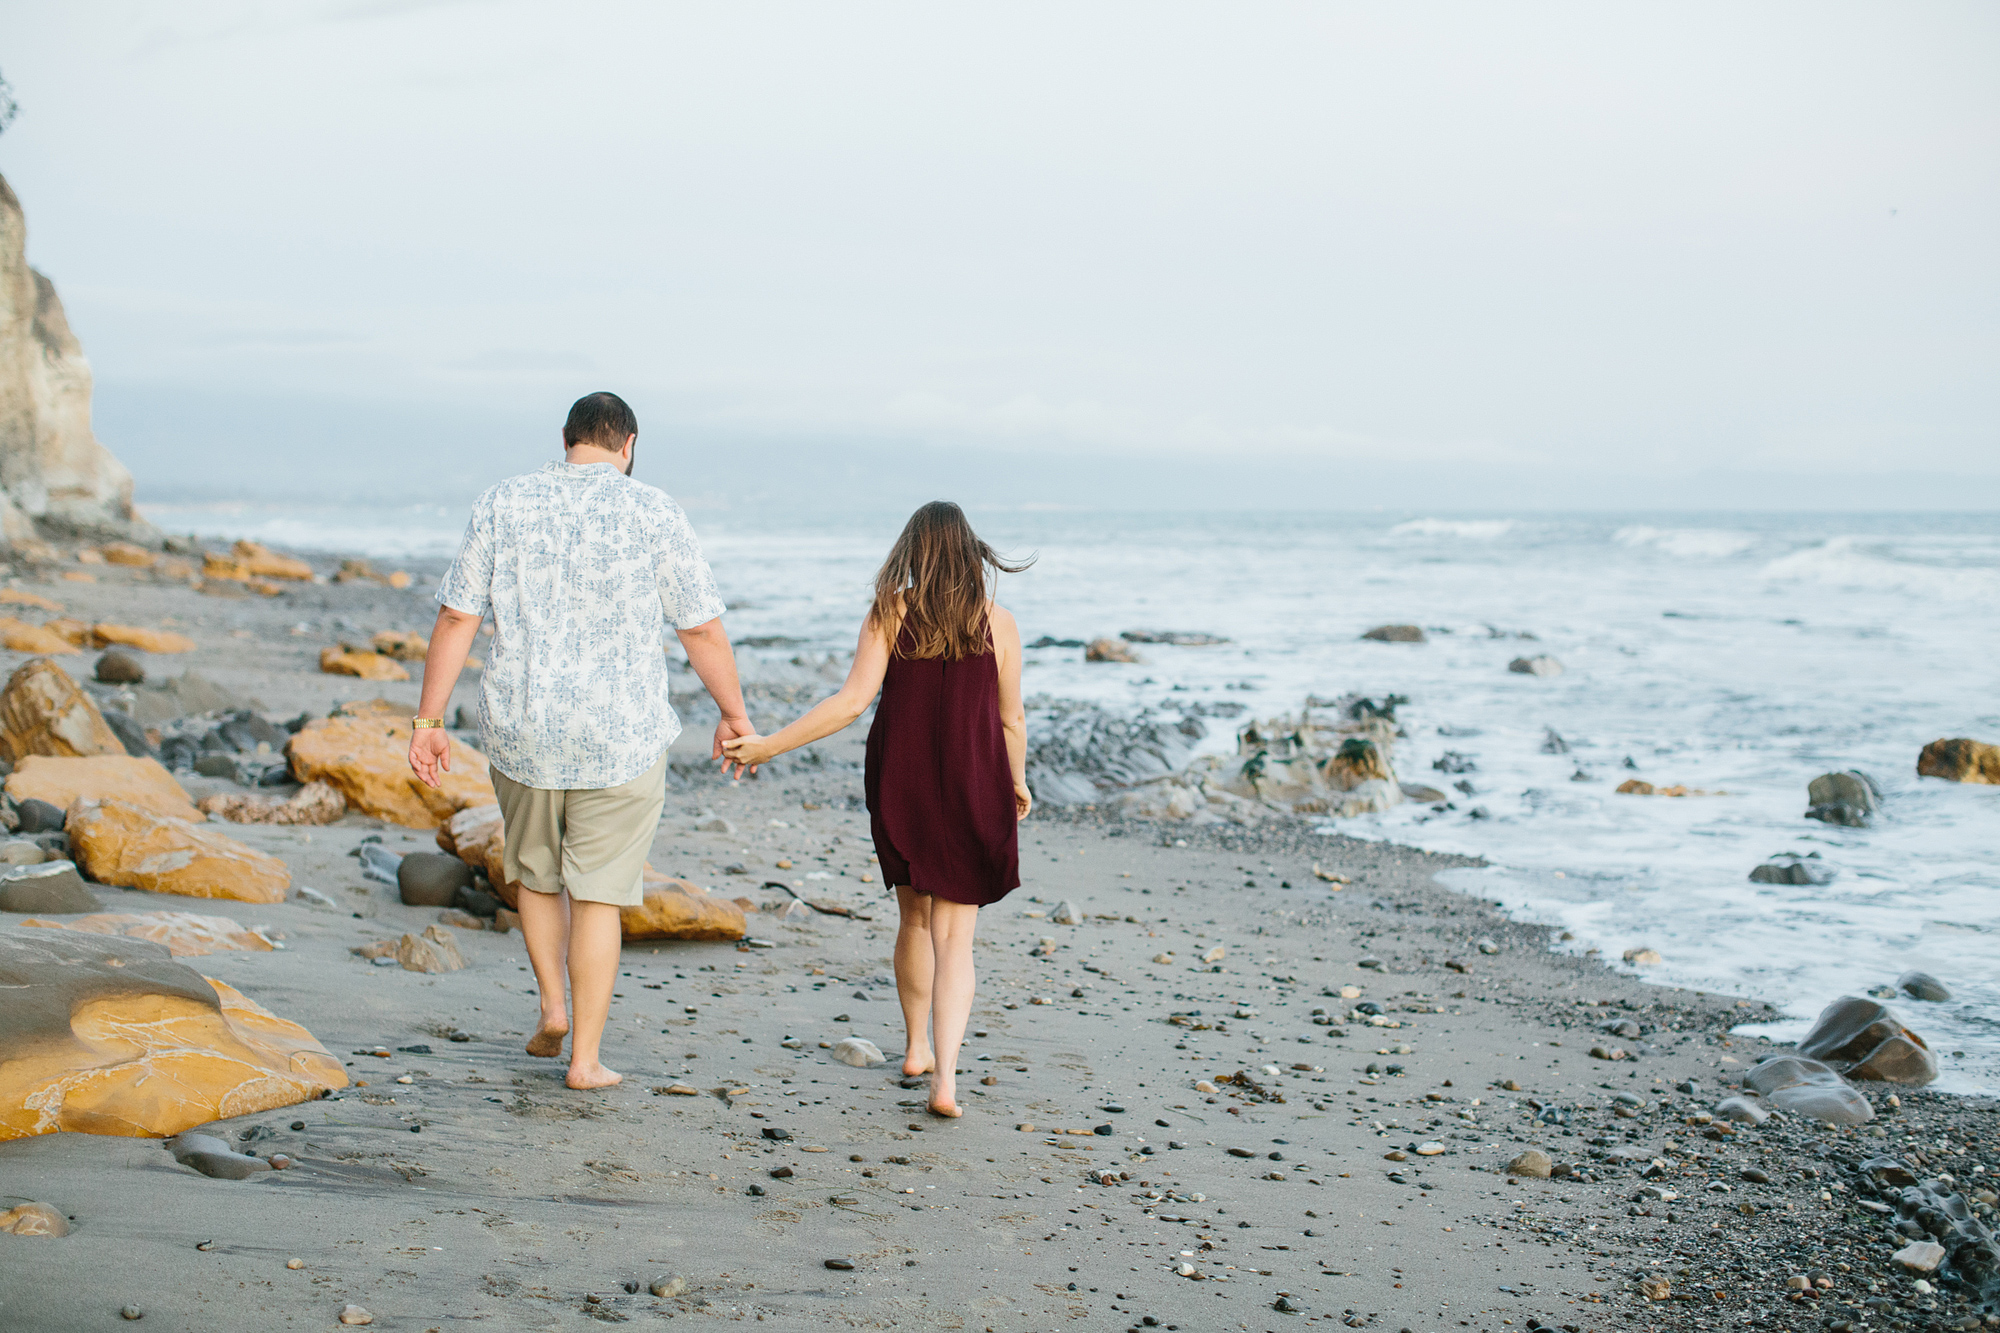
x,y
1864,1040
1809,1088
52,886
363,752
674,909
1850,798
1960,760
476,836
131,779
120,843
43,711
1791,868
186,934
107,1035
367,664
431,879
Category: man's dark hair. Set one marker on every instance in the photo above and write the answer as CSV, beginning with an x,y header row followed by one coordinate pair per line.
x,y
600,419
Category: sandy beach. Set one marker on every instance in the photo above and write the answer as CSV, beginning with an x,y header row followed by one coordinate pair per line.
x,y
1158,1131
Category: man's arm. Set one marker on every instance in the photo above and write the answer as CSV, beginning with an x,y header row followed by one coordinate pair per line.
x,y
709,653
451,640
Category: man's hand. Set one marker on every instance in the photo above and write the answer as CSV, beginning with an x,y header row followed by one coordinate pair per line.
x,y
430,753
727,730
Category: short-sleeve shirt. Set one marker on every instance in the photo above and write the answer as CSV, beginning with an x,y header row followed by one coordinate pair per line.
x,y
584,571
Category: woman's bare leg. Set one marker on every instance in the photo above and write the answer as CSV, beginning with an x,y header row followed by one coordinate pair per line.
x,y
545,928
952,925
914,968
595,937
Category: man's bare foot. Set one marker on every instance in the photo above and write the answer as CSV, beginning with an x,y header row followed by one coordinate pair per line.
x,y
548,1040
593,1076
949,1110
918,1061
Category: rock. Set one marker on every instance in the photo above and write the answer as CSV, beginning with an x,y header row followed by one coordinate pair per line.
x,y
38,816
1644,957
177,696
401,644
124,844
1369,798
1396,634
1961,760
1539,665
1741,1110
667,1288
355,1314
345,661
1487,946
1359,759
1655,1288
44,712
186,934
1164,799
34,1219
1066,914
1110,650
213,1157
1920,1256
363,752
128,779
107,1035
1863,1040
505,920
104,634
128,554
18,636
130,1312
674,909
458,920
1413,791
130,734
1533,1163
1850,798
840,1265
250,560
54,470
477,902
715,826
859,1052
314,803
433,951
1923,986
1791,868
431,879
1177,637
21,852
52,886
118,667
1809,1088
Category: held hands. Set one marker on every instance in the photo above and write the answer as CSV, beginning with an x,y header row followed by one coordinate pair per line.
x,y
733,738
1024,801
430,753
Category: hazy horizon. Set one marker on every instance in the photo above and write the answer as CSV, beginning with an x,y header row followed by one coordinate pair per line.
x,y
1112,256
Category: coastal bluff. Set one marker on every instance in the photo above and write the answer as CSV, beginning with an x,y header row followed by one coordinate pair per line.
x,y
55,478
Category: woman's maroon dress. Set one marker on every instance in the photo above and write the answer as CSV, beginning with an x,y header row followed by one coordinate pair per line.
x,y
940,789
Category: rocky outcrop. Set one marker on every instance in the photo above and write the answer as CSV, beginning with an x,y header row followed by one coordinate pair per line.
x,y
108,777
1960,760
51,886
674,909
44,711
1864,1040
1079,751
55,477
363,751
106,1035
186,934
119,843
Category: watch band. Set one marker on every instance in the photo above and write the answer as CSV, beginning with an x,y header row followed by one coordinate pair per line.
x,y
426,722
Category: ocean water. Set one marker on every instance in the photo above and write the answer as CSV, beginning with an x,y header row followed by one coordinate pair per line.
x,y
1738,654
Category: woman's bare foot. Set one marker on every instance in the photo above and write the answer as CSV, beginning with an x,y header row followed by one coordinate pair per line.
x,y
548,1039
944,1099
918,1060
592,1076
949,1110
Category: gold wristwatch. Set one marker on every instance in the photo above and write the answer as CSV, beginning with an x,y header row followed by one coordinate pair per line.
x,y
419,722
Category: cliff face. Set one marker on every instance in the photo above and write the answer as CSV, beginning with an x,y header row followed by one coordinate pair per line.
x,y
55,478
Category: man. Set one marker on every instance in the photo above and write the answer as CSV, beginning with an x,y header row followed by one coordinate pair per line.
x,y
582,569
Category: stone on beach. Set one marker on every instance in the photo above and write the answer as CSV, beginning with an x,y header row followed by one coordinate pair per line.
x,y
1923,986
118,667
133,847
1920,1256
213,1157
249,561
674,909
402,644
345,661
108,1035
34,1219
1742,1110
433,951
314,803
362,750
1396,634
1644,957
1539,665
1109,650
1066,914
18,636
1791,868
44,712
1809,1088
1533,1163
1850,798
1960,760
105,634
431,879
51,886
859,1052
1864,1040
131,779
186,934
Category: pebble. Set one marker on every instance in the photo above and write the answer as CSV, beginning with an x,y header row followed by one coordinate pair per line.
x,y
1923,986
1025,1127
354,1314
841,1265
295,1263
131,1312
859,1052
781,1173
775,1133
119,667
1534,1163
1429,1149
1487,946
667,1288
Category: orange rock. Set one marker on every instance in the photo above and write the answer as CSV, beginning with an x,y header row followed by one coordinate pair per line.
x,y
398,580
22,597
73,631
363,752
173,567
262,562
344,661
43,711
476,836
128,845
106,1035
89,556
315,803
20,637
125,553
401,644
131,779
674,909
78,576
146,640
1358,760
1634,787
34,1219
186,934
1960,760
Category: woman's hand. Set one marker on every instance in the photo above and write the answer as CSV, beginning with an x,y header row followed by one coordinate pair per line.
x,y
749,751
1024,800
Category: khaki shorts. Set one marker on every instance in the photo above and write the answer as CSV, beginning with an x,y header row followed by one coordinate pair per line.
x,y
591,845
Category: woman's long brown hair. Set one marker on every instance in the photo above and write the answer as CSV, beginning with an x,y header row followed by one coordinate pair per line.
x,y
937,572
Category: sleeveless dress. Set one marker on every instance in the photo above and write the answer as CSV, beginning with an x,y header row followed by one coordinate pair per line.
x,y
940,790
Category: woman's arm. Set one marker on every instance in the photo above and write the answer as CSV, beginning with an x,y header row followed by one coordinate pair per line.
x,y
1013,717
831,714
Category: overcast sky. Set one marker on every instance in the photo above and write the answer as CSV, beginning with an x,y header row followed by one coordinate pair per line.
x,y
1601,254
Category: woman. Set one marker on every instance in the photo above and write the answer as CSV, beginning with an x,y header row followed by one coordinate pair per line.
x,y
947,767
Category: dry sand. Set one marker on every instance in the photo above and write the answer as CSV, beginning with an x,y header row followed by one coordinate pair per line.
x,y
483,1190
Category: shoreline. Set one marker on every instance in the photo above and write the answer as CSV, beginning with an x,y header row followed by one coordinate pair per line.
x,y
519,1201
